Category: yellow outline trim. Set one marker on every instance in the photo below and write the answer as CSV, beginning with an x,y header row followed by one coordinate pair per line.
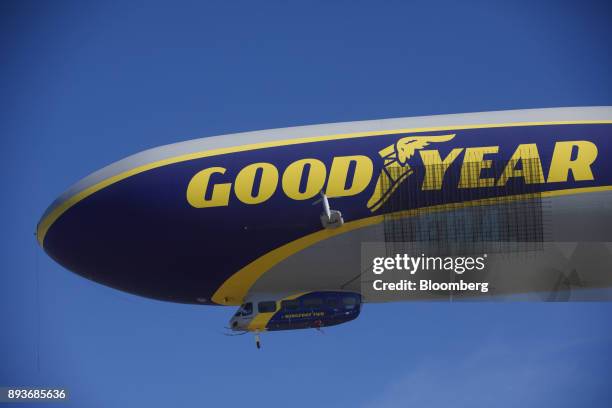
x,y
237,286
47,222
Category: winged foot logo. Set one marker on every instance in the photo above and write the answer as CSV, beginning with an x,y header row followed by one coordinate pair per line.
x,y
395,166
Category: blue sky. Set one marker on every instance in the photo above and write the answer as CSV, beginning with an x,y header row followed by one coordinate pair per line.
x,y
84,84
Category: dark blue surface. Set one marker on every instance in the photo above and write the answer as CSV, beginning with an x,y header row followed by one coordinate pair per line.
x,y
141,235
87,83
335,308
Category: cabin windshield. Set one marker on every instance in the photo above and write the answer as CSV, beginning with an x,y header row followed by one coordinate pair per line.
x,y
245,310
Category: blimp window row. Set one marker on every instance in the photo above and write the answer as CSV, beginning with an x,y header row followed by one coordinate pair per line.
x,y
290,305
347,301
266,307
312,302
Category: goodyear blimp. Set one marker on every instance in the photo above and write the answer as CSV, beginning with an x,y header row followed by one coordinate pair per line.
x,y
273,221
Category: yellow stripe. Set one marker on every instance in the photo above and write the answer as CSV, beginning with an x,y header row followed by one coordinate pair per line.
x,y
45,224
261,320
234,289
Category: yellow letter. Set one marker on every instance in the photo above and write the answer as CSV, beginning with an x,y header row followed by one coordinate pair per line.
x,y
196,190
435,167
339,173
473,164
314,183
531,167
245,182
561,162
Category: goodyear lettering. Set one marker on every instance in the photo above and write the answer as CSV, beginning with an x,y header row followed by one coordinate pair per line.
x,y
531,167
302,315
474,163
580,166
257,182
196,190
435,167
348,176
338,176
315,173
246,188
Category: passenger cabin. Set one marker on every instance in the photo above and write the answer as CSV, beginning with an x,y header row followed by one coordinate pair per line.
x,y
310,310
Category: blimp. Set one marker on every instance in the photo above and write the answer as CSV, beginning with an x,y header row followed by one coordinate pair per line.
x,y
276,223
